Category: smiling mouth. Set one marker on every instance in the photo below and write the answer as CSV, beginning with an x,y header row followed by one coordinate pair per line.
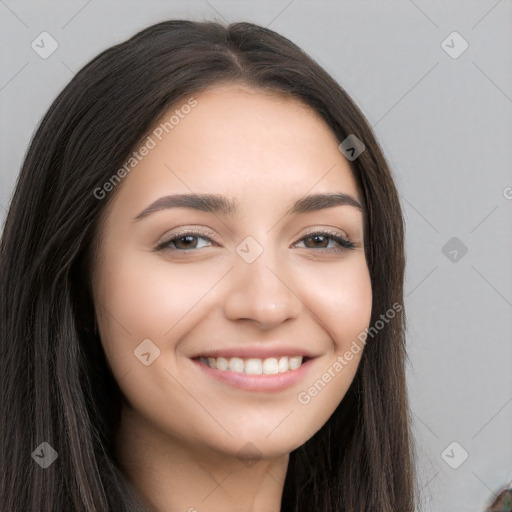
x,y
255,366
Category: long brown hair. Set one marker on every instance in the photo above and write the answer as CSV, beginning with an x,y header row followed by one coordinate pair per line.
x,y
57,387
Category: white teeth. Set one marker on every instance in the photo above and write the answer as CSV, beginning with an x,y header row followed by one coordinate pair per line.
x,y
295,362
222,363
253,366
270,366
236,364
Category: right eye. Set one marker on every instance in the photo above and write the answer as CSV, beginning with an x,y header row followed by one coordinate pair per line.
x,y
185,241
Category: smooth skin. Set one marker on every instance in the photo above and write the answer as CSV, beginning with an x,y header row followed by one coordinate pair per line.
x,y
182,433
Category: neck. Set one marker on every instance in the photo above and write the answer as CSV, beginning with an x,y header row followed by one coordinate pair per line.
x,y
178,476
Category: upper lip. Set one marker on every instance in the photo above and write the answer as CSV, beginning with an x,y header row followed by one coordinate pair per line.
x,y
247,352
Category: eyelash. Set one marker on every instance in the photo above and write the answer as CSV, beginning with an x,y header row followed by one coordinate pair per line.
x,y
343,243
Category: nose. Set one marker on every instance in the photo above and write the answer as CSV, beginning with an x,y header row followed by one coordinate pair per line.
x,y
261,292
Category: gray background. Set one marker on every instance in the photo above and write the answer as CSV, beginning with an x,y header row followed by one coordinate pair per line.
x,y
445,126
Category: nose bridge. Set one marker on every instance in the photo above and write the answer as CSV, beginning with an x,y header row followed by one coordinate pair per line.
x,y
261,289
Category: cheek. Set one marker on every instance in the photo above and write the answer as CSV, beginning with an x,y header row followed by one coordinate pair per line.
x,y
140,296
340,299
149,296
341,302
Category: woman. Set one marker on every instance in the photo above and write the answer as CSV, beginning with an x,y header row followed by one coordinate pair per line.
x,y
202,283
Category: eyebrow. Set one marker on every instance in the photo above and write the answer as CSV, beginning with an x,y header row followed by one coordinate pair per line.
x,y
216,203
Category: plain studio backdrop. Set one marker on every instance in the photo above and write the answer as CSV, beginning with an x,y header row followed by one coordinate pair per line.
x,y
434,80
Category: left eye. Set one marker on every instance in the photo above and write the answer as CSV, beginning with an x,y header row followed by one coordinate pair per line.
x,y
320,238
188,241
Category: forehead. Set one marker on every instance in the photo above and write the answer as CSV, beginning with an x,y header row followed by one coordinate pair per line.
x,y
242,142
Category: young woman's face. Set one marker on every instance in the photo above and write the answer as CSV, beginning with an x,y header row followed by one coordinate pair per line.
x,y
246,289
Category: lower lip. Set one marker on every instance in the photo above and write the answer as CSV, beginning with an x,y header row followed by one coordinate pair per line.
x,y
261,382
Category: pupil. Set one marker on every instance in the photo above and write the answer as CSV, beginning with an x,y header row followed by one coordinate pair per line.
x,y
318,239
188,238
